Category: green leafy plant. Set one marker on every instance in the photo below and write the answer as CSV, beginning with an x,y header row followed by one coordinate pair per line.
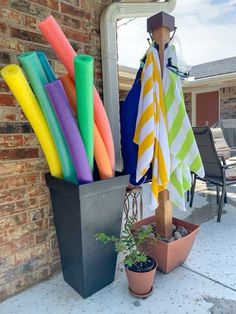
x,y
129,242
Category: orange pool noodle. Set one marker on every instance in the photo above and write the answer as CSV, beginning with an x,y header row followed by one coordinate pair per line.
x,y
100,118
69,88
102,159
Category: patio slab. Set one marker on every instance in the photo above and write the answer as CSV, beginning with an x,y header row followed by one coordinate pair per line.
x,y
205,283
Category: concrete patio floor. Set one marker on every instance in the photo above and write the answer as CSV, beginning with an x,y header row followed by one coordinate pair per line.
x,y
205,283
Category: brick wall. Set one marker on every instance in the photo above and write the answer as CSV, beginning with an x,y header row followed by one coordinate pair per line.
x,y
28,245
188,105
228,102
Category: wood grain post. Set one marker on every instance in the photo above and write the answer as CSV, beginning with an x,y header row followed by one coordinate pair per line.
x,y
160,26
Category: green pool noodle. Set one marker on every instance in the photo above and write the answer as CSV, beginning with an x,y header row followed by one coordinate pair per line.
x,y
83,65
37,78
46,66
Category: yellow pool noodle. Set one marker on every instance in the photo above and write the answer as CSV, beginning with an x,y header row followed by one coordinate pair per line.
x,y
20,88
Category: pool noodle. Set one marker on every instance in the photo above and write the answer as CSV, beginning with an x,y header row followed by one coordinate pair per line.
x,y
20,88
46,66
101,120
60,44
100,152
69,88
68,124
84,102
102,159
37,79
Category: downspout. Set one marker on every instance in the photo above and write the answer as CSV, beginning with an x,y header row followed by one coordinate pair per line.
x,y
108,29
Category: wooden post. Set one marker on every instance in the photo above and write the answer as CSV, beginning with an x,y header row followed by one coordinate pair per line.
x,y
160,26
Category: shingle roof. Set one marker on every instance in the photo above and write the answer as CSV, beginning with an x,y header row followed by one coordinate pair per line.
x,y
214,68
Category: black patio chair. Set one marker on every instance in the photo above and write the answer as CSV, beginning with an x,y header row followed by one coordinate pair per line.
x,y
214,165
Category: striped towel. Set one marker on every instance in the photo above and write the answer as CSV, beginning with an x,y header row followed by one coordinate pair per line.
x,y
184,152
151,129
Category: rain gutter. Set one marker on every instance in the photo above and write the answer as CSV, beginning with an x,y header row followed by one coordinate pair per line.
x,y
108,27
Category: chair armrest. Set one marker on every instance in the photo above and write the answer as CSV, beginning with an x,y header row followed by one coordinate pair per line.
x,y
222,158
229,166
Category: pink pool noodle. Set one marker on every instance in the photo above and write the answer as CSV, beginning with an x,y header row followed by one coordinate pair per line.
x,y
58,98
58,41
60,44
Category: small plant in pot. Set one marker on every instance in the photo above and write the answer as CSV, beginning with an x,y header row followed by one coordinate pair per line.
x,y
140,268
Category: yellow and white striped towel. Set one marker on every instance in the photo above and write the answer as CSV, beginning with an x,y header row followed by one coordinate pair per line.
x,y
151,129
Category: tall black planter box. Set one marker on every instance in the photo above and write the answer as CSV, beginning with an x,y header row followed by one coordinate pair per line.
x,y
79,213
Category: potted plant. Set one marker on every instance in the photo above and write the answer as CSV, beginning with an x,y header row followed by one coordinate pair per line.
x,y
139,267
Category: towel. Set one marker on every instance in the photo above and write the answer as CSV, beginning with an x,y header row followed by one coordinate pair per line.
x,y
151,128
184,154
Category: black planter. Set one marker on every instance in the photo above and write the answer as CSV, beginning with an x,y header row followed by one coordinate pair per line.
x,y
79,213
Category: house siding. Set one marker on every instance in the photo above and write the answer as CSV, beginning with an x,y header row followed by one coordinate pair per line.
x,y
28,244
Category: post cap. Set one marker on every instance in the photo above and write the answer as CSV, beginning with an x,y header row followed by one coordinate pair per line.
x,y
161,19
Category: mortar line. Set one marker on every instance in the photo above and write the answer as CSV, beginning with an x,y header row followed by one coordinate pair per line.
x,y
204,276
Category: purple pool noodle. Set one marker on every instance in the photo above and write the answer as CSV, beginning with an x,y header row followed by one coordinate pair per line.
x,y
71,132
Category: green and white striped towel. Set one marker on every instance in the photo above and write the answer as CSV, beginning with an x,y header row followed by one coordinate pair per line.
x,y
185,156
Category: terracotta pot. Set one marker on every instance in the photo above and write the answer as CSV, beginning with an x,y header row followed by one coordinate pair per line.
x,y
141,283
170,255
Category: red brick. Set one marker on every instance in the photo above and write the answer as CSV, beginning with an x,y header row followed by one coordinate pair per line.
x,y
10,16
27,35
7,99
70,21
3,87
13,221
6,290
55,267
3,28
12,195
12,167
27,229
30,7
44,200
30,140
52,4
37,214
35,251
71,10
36,165
51,222
11,44
54,244
45,235
7,141
30,278
23,243
15,127
74,2
12,182
37,190
8,114
5,250
30,21
3,237
16,207
76,35
20,153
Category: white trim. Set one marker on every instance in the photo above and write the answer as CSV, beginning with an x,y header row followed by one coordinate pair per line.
x,y
108,21
218,81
